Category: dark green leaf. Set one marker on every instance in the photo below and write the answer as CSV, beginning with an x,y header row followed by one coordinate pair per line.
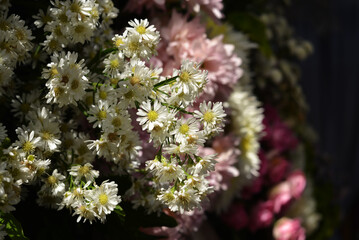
x,y
165,82
12,226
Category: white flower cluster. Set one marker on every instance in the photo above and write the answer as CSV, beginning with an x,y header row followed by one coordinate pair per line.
x,y
20,163
67,79
89,200
15,43
69,22
247,117
106,91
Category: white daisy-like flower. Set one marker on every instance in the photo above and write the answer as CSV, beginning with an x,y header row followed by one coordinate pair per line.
x,y
190,78
98,113
106,93
205,164
114,64
118,41
49,132
151,116
86,171
85,211
55,182
105,197
135,48
167,172
211,116
142,28
27,141
186,199
178,149
184,128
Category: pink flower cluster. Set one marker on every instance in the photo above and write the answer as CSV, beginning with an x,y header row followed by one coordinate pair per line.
x,y
288,229
183,39
283,185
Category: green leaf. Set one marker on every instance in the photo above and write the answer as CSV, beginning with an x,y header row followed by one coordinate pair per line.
x,y
256,30
12,226
165,82
120,212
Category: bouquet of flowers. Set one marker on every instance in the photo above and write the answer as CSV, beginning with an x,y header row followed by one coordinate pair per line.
x,y
161,121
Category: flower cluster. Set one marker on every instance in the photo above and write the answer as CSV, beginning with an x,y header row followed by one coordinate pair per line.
x,y
86,198
15,44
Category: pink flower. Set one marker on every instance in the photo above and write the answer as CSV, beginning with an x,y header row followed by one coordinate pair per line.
x,y
262,215
288,229
278,135
212,7
236,216
297,182
280,195
182,39
277,169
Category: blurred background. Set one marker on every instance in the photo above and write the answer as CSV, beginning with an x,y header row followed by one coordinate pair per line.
x,y
330,84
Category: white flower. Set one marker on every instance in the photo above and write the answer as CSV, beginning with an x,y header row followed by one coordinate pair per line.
x,y
190,78
27,141
151,116
185,128
98,113
186,199
86,171
105,197
114,64
55,183
212,117
142,28
86,211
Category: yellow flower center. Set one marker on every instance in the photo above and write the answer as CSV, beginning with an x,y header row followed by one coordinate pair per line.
x,y
84,170
184,128
28,147
79,29
103,95
129,95
135,80
75,84
133,46
54,71
51,180
114,80
58,91
116,122
152,115
114,63
46,135
208,116
102,115
141,29
103,198
118,42
184,76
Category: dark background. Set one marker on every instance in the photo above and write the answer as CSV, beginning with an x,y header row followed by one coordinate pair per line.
x,y
330,82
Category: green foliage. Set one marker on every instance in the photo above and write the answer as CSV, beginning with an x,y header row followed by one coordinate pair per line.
x,y
251,25
12,226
